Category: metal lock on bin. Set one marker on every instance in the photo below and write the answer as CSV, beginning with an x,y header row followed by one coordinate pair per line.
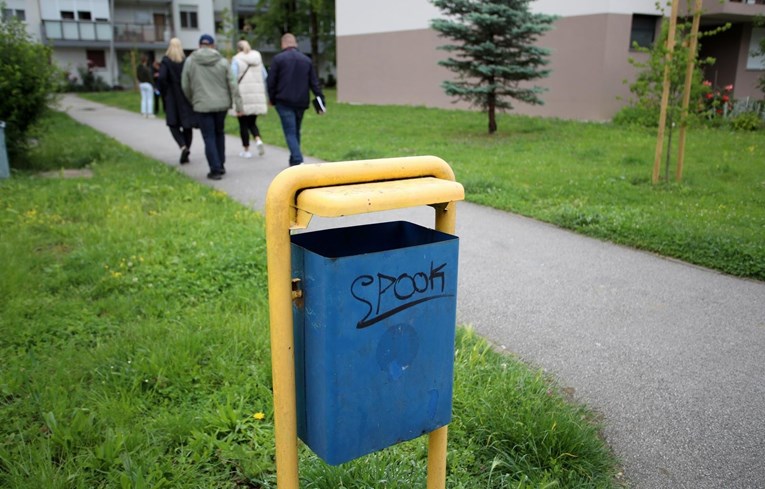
x,y
374,336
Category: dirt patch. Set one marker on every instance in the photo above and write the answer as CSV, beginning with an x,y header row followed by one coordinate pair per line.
x,y
68,173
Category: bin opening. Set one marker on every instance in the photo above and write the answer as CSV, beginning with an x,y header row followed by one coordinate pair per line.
x,y
370,238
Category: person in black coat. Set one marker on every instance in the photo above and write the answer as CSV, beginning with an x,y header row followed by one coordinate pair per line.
x,y
179,115
289,79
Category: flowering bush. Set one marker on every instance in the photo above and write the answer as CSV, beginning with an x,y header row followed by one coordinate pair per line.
x,y
717,102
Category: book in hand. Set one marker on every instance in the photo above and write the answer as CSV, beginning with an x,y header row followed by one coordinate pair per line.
x,y
319,105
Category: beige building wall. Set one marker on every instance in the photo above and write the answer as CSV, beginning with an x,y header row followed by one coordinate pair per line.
x,y
588,62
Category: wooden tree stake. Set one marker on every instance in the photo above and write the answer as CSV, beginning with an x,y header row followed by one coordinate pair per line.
x,y
665,91
687,89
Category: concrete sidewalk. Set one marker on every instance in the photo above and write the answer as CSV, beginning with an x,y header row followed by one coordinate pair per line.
x,y
672,355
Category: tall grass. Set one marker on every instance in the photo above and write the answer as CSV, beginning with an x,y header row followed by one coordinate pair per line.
x,y
135,348
589,177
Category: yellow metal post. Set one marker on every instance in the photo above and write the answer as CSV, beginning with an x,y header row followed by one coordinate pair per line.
x,y
293,196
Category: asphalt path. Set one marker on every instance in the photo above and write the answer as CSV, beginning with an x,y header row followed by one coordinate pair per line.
x,y
671,355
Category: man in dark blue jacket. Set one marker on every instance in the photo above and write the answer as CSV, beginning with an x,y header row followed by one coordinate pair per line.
x,y
289,78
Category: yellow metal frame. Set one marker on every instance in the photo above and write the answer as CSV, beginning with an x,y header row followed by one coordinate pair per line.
x,y
334,190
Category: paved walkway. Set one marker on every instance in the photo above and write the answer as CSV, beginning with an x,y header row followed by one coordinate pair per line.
x,y
672,355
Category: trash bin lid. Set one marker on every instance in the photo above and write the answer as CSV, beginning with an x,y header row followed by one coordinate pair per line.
x,y
361,198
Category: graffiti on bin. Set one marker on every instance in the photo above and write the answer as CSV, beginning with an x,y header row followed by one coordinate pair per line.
x,y
386,295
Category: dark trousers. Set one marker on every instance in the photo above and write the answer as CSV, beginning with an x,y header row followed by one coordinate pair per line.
x,y
157,100
248,124
292,119
211,124
182,136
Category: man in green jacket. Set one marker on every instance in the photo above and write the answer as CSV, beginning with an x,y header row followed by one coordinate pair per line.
x,y
209,85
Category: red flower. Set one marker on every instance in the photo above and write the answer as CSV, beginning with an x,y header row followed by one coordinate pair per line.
x,y
729,88
725,98
707,83
710,95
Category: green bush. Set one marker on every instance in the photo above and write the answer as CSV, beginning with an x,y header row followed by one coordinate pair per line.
x,y
88,81
746,121
634,115
27,84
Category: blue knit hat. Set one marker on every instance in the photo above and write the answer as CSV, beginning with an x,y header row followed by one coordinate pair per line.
x,y
206,39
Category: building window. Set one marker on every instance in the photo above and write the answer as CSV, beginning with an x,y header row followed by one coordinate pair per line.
x,y
19,14
84,15
67,15
643,30
189,18
96,58
756,60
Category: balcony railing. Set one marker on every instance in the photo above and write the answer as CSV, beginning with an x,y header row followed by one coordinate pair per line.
x,y
73,30
733,10
142,33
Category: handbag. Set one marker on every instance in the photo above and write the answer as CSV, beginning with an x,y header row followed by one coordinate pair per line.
x,y
239,81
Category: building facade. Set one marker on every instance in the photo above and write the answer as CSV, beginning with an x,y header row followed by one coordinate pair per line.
x,y
384,57
105,36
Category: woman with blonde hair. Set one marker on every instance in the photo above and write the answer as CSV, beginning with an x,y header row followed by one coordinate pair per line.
x,y
250,75
179,115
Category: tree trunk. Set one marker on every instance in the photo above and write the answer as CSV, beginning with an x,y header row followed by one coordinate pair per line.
x,y
290,12
492,105
314,33
670,125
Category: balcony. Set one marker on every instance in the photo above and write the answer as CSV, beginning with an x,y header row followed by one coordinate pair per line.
x,y
73,32
733,10
142,33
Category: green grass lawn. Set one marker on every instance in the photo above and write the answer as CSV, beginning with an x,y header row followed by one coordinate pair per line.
x,y
134,339
590,177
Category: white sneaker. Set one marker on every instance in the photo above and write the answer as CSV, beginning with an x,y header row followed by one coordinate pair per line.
x,y
245,154
261,148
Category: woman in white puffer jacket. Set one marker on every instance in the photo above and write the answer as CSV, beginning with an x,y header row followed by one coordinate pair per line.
x,y
250,75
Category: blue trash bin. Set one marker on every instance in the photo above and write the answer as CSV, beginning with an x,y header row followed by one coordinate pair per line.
x,y
374,336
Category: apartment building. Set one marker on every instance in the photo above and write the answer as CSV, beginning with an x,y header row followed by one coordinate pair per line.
x,y
102,33
387,53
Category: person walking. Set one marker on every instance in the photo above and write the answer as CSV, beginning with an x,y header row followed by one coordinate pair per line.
x,y
209,85
146,86
289,79
179,115
250,76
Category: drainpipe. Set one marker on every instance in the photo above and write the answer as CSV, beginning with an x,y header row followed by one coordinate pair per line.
x,y
112,54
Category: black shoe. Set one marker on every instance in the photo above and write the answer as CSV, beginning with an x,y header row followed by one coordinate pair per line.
x,y
184,156
222,171
214,175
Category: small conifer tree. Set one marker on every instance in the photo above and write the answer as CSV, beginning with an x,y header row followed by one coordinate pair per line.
x,y
494,54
